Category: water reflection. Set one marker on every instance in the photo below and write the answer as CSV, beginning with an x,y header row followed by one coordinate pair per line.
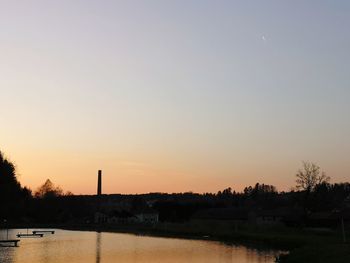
x,y
6,251
98,247
79,247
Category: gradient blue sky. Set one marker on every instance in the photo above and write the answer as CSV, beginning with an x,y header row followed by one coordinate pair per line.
x,y
174,95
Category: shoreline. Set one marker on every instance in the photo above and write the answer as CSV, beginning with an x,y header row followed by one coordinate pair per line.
x,y
163,234
151,231
295,244
179,230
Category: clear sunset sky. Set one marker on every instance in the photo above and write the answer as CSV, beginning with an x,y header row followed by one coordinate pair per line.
x,y
174,96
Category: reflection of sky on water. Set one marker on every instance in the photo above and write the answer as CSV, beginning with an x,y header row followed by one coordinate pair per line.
x,y
81,247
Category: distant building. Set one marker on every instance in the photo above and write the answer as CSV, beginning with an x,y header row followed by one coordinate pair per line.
x,y
279,216
121,217
100,218
146,216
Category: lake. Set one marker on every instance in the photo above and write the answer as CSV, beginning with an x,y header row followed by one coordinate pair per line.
x,y
84,247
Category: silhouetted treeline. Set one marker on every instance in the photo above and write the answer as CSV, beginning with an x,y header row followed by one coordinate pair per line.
x,y
178,207
49,204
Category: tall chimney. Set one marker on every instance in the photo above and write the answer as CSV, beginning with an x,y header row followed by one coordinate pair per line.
x,y
99,183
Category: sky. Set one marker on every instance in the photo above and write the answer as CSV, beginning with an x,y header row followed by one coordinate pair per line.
x,y
174,96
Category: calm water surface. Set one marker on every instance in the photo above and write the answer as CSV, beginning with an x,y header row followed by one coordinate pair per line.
x,y
84,247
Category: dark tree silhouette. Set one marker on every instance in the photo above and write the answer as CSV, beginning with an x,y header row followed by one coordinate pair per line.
x,y
9,186
8,180
310,176
48,190
11,192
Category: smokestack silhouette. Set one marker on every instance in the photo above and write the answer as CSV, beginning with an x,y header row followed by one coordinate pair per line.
x,y
99,183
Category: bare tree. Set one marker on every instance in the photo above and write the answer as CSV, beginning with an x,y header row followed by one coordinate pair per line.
x,y
48,189
310,176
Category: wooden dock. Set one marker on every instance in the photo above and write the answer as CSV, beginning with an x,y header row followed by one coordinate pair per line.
x,y
43,232
10,241
19,235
